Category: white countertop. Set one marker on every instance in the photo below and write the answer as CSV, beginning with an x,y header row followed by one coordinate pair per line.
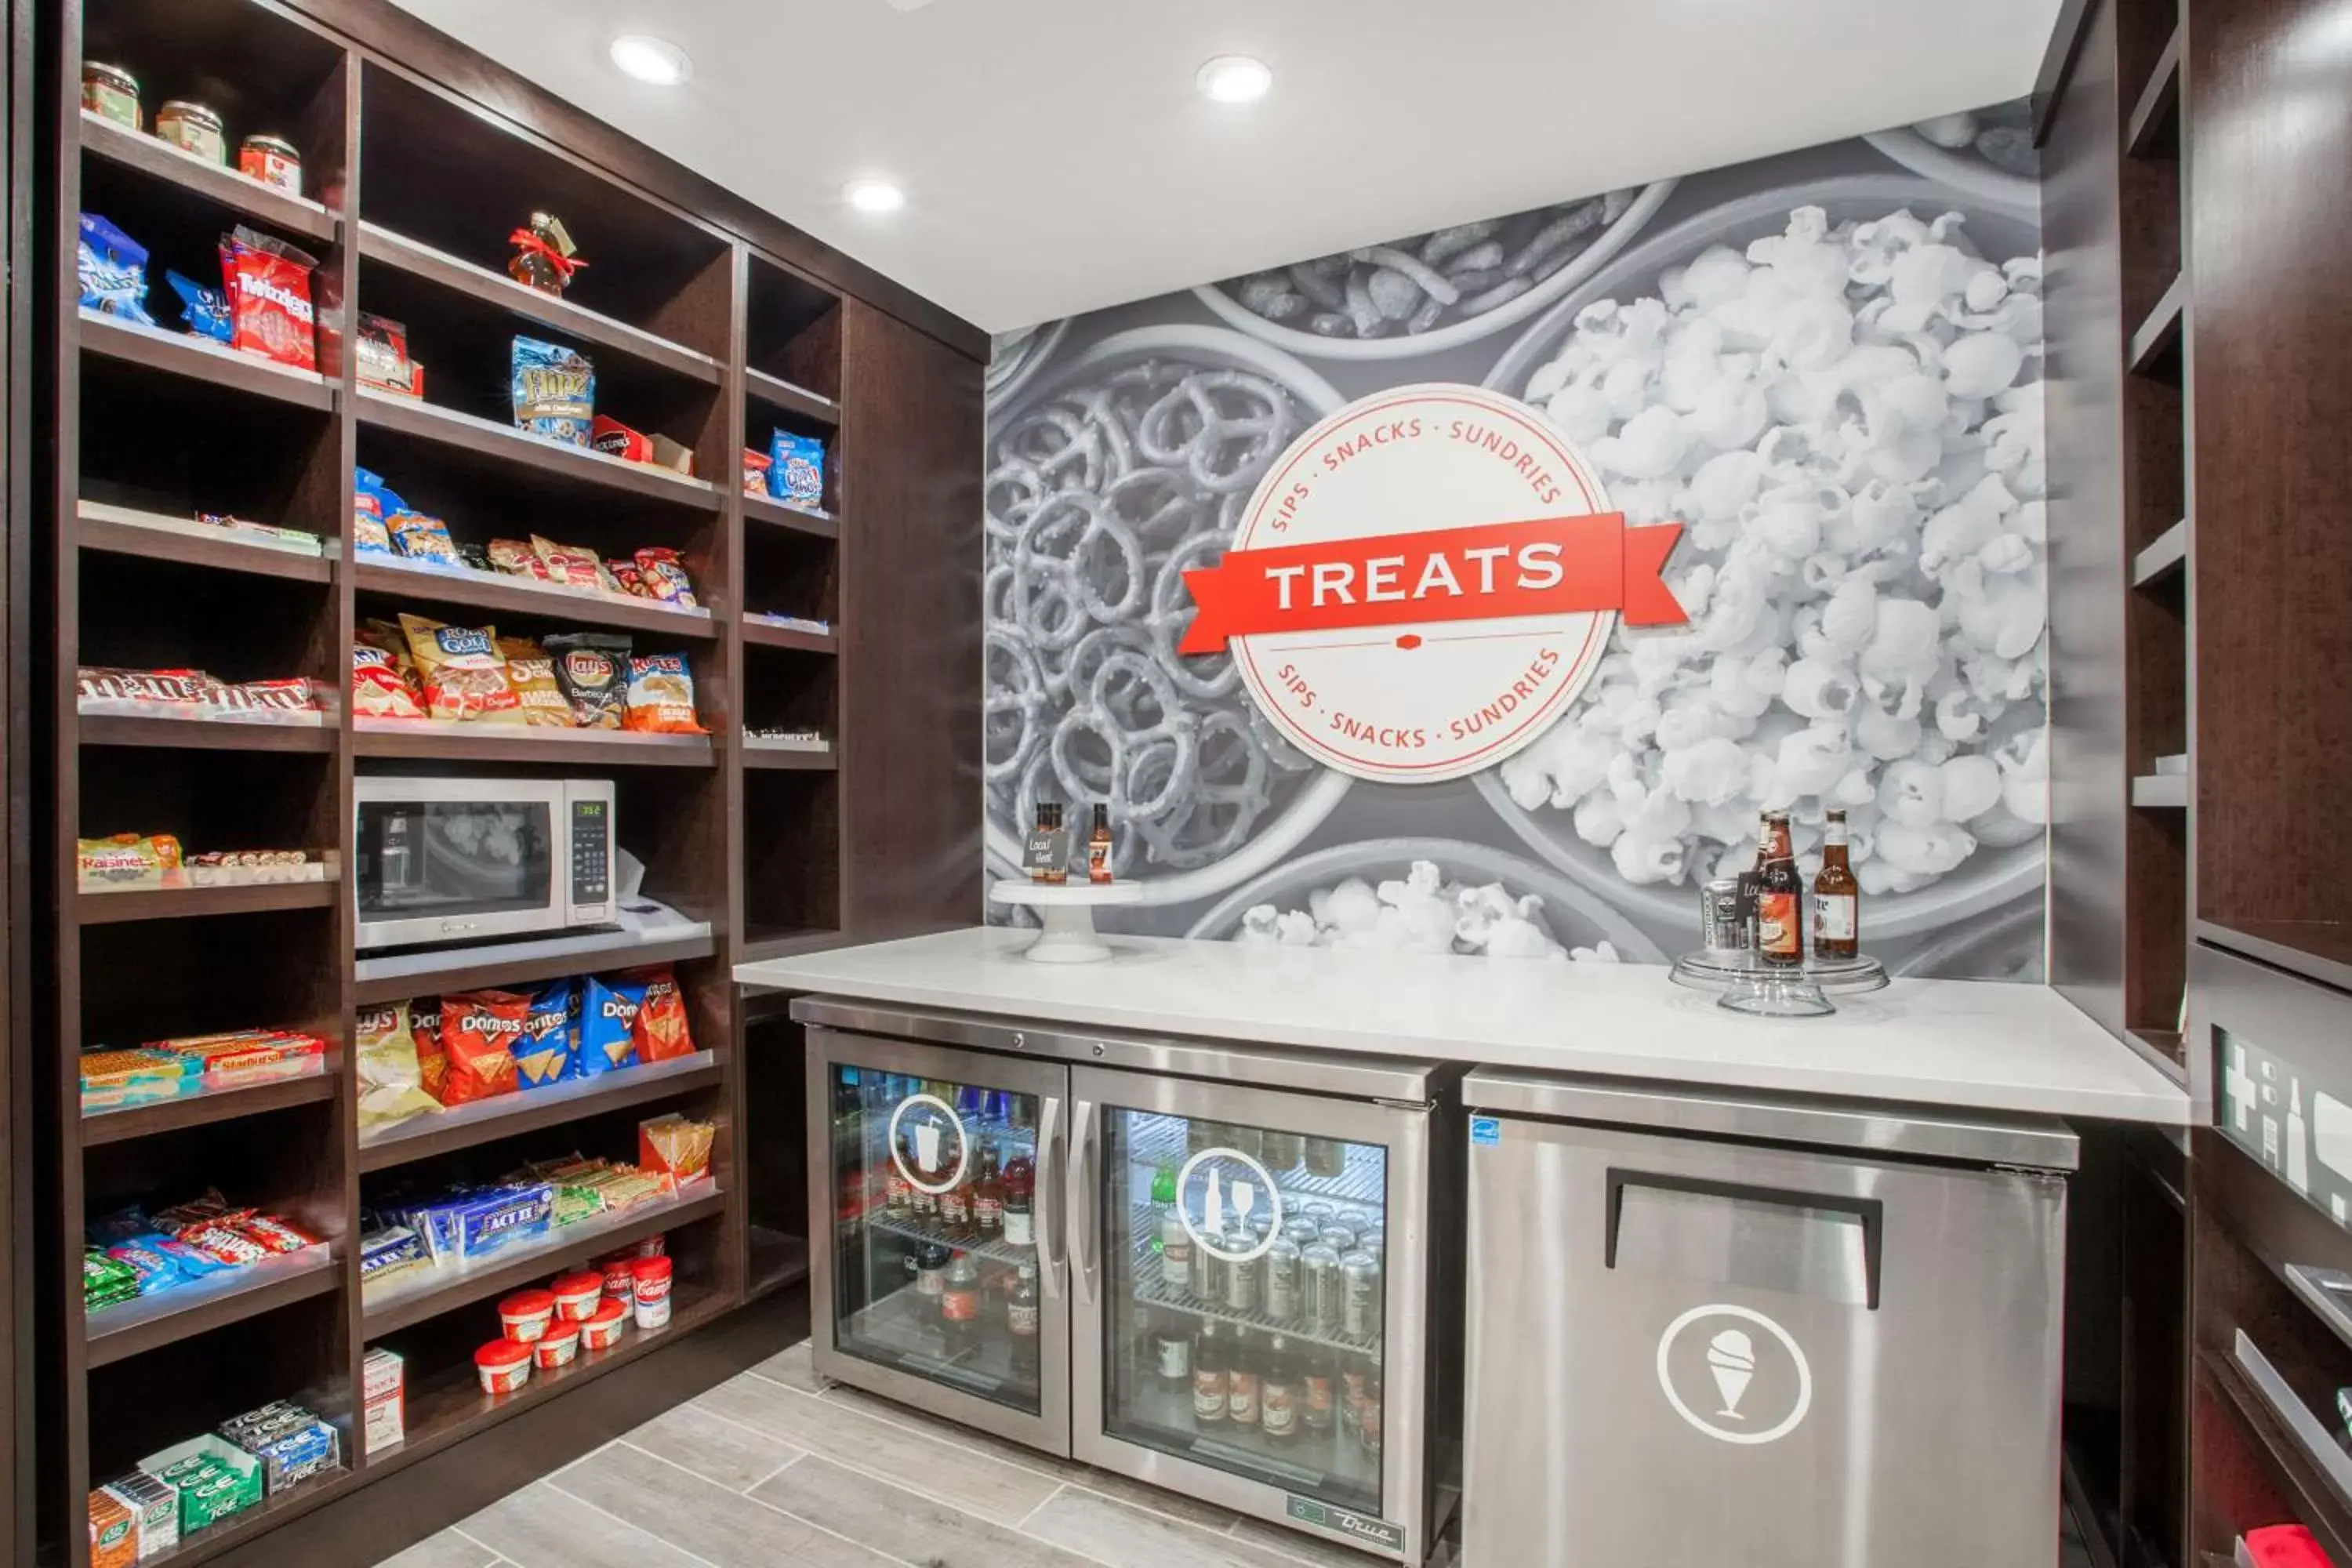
x,y
1973,1044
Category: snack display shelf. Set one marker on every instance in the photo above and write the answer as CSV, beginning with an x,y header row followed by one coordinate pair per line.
x,y
792,398
790,758
458,740
915,1230
159,159
449,1406
423,1136
1150,1287
211,1105
417,583
510,964
202,735
429,1291
199,359
171,1316
126,531
766,636
488,438
776,514
1157,1141
183,903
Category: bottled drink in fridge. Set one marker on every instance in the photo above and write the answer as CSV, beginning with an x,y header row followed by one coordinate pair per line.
x,y
1368,1416
1354,1375
897,1193
960,1306
1244,1371
1278,1394
1163,1186
1284,1152
1022,1320
955,1207
1175,1251
988,1197
1318,1404
931,1277
1172,1352
1211,1392
1020,1195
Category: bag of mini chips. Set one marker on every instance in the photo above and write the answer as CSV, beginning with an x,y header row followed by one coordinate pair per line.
x,y
661,696
608,1015
392,1081
464,673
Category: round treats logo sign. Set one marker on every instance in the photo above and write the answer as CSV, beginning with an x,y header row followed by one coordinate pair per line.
x,y
1424,583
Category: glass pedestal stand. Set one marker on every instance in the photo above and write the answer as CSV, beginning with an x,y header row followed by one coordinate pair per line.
x,y
1066,911
1746,984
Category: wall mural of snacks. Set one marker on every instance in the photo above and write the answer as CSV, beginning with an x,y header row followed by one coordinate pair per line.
x,y
1827,364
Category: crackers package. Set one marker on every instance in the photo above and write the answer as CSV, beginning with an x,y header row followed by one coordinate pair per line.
x,y
465,674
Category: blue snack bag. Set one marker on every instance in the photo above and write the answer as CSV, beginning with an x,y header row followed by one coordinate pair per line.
x,y
203,312
796,468
547,1050
554,392
113,271
608,1013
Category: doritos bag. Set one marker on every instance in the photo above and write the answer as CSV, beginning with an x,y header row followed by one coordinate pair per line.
x,y
660,1028
547,1050
425,1028
478,1031
608,1015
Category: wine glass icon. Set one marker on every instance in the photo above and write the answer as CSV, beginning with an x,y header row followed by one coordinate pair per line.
x,y
1731,1358
1245,1197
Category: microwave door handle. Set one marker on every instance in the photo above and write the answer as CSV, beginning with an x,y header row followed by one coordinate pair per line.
x,y
1053,1160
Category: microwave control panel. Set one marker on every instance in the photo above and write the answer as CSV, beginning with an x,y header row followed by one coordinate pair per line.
x,y
592,851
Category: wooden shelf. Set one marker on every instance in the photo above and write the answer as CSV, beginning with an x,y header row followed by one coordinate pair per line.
x,y
200,1109
477,742
467,971
777,393
428,1293
201,359
2157,336
2163,559
203,734
158,159
264,1287
224,552
511,1115
762,635
2305,1490
187,903
779,759
242,1527
2154,129
490,591
758,944
378,244
506,445
776,514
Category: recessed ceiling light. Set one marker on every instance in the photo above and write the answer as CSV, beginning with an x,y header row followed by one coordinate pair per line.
x,y
1236,78
651,60
874,196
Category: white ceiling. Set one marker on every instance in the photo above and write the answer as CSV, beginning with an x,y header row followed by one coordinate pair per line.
x,y
1057,158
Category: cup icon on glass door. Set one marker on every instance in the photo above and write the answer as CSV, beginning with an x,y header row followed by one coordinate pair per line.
x,y
1731,1357
927,1147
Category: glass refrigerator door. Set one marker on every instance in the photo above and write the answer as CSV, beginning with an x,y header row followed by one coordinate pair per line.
x,y
1243,1292
936,1278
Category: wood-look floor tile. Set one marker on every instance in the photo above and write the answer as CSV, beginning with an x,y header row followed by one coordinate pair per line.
x,y
446,1549
793,1367
540,1526
1126,1537
735,1457
956,1476
724,1528
910,1527
1312,1550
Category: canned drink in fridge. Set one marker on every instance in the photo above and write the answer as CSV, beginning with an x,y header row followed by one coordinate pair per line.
x,y
1325,1157
1318,1289
1283,1281
1317,1210
1340,1239
1305,1231
1721,916
1359,1296
1210,1272
1261,1226
1241,1278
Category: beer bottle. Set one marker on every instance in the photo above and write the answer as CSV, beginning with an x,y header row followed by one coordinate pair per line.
x,y
1751,878
1779,895
1210,1393
1022,1316
988,1199
1242,1380
1837,897
960,1305
1278,1394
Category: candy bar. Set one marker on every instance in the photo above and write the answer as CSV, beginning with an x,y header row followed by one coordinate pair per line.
x,y
154,1508
112,1080
113,1532
388,1252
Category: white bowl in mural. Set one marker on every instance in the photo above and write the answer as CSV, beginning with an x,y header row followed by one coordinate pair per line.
x,y
1014,359
1569,914
1613,235
1986,157
1941,877
1130,462
2007,944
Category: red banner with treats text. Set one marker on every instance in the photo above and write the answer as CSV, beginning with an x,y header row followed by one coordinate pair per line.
x,y
1559,565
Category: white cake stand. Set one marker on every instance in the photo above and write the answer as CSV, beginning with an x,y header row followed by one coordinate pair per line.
x,y
1067,910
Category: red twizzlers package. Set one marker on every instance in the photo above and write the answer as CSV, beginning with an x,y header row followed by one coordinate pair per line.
x,y
268,286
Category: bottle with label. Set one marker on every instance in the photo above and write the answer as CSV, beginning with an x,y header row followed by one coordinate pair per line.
x,y
897,1193
1243,1374
960,1305
1779,895
1022,1315
1098,846
1318,1404
1211,1392
1837,897
930,1264
1750,879
1057,870
955,1207
1019,1197
1172,1352
1278,1394
988,1197
1368,1415
1045,825
1175,1251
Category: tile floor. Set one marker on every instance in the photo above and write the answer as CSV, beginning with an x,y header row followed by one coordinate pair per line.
x,y
769,1468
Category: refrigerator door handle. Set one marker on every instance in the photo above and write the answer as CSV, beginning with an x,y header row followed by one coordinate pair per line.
x,y
1087,1261
1052,1152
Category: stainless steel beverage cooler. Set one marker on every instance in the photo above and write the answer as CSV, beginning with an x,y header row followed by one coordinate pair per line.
x,y
1237,1251
1726,1327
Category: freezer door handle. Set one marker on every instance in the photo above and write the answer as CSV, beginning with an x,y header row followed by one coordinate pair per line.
x,y
1801,1213
1086,1186
1053,1154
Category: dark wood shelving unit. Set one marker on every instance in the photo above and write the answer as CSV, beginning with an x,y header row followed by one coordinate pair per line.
x,y
708,322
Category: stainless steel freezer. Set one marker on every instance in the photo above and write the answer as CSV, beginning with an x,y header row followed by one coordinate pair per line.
x,y
1717,1327
1247,1289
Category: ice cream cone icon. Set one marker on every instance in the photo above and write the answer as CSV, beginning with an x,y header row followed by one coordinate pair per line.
x,y
1731,1357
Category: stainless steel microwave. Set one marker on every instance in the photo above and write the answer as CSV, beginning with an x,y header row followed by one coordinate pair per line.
x,y
460,859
